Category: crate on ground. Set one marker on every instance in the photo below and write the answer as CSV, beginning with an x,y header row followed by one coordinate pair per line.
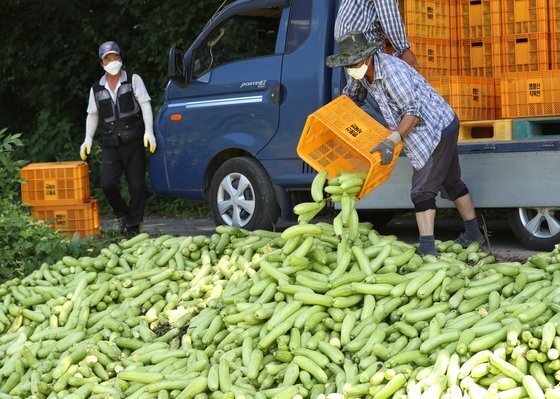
x,y
478,19
536,128
479,57
433,55
47,183
525,53
339,137
78,218
498,129
524,16
530,94
428,18
472,98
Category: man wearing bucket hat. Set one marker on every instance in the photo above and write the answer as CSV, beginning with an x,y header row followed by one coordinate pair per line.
x,y
121,103
423,120
377,19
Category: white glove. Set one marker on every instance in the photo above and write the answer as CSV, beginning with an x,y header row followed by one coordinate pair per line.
x,y
85,149
395,137
150,139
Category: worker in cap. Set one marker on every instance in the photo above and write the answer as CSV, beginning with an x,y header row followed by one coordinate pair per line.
x,y
120,105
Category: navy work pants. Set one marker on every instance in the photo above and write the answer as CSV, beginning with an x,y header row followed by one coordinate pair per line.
x,y
128,158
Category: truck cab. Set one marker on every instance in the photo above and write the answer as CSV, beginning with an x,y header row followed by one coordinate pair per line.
x,y
235,105
237,101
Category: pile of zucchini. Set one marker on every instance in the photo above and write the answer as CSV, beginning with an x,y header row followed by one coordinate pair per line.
x,y
319,310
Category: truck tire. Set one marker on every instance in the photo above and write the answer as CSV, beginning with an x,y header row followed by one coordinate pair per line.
x,y
536,228
242,195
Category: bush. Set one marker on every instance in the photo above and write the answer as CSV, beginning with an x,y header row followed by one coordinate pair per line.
x,y
9,168
26,243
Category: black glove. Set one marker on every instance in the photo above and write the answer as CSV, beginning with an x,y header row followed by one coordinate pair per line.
x,y
387,150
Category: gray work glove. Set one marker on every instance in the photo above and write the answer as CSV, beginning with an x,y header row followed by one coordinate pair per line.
x,y
387,147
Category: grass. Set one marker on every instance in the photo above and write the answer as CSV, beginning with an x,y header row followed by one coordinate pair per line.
x,y
157,205
165,206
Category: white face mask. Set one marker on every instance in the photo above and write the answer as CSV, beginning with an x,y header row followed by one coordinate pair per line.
x,y
113,68
358,73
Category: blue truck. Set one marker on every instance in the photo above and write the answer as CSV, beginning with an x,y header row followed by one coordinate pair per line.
x,y
237,101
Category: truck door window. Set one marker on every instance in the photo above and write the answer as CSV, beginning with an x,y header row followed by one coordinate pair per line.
x,y
300,24
247,35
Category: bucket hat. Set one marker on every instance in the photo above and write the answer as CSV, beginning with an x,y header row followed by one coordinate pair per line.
x,y
353,49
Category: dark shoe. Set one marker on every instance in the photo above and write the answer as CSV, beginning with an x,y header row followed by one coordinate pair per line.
x,y
465,241
119,225
422,253
131,231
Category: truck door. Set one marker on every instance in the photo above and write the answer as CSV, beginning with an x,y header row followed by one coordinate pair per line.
x,y
232,100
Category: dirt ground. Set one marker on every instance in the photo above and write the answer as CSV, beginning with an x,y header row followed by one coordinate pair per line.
x,y
503,243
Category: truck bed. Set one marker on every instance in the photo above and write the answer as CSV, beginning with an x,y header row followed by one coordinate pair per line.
x,y
520,173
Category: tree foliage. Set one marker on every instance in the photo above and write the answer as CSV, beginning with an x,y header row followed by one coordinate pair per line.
x,y
49,60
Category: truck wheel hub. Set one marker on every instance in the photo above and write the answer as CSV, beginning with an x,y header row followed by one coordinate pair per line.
x,y
541,222
236,200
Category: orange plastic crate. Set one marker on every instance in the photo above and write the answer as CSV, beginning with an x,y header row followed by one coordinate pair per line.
x,y
472,98
524,16
525,53
79,218
530,94
339,136
455,64
428,18
453,15
433,55
480,57
55,182
555,50
498,97
478,18
554,16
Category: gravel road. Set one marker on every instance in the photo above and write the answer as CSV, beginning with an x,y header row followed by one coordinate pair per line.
x,y
503,243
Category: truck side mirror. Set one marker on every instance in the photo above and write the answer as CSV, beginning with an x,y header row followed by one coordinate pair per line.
x,y
176,70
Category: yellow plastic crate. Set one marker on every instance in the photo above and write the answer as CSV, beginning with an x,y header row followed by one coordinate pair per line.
x,y
524,16
498,98
554,16
339,137
525,53
79,218
478,18
478,57
429,18
485,130
472,98
555,49
49,183
433,55
530,94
